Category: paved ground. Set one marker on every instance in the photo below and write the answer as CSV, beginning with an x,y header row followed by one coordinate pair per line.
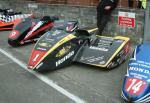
x,y
89,84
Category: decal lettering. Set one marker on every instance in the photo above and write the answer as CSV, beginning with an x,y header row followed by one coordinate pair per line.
x,y
143,64
135,86
42,49
96,59
70,54
98,48
140,70
44,44
39,65
86,58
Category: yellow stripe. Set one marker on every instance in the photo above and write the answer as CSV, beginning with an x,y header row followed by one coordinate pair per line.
x,y
62,41
117,51
71,36
91,30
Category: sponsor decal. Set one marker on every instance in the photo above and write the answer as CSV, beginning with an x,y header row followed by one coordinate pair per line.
x,y
50,40
48,37
139,70
95,59
86,58
119,41
44,44
102,62
98,48
63,51
39,65
143,63
41,49
135,86
70,54
57,32
14,34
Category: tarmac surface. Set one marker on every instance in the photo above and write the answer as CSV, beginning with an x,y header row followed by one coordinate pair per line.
x,y
77,83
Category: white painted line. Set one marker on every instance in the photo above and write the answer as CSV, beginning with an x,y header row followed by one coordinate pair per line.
x,y
43,78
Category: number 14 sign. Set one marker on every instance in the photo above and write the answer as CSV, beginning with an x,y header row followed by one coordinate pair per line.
x,y
135,86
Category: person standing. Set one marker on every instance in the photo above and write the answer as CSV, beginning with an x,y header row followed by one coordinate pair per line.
x,y
142,4
104,9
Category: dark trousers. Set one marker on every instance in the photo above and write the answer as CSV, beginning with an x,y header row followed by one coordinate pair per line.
x,y
140,5
103,16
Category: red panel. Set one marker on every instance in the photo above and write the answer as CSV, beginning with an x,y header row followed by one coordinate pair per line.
x,y
135,86
14,34
35,57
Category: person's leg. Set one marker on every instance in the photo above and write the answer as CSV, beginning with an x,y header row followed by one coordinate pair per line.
x,y
130,3
139,4
104,22
100,14
102,19
103,14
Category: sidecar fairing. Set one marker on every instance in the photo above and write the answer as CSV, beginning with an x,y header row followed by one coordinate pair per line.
x,y
105,52
8,21
58,48
29,30
136,85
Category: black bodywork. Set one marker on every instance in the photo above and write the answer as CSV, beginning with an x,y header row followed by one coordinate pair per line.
x,y
29,29
58,48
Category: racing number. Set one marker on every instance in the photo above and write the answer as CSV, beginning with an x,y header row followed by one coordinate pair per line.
x,y
36,57
13,34
135,86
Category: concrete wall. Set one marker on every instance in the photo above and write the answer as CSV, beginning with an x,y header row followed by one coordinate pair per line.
x,y
86,16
